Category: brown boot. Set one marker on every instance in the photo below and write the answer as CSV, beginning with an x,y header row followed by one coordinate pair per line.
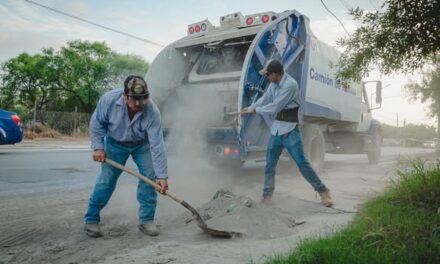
x,y
93,230
267,200
149,229
326,199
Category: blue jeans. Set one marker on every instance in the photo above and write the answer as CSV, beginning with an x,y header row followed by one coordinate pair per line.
x,y
292,141
107,179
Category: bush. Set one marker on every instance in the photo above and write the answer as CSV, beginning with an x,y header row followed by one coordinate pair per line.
x,y
402,226
38,131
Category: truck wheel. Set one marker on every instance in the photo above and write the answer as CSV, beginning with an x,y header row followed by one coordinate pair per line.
x,y
314,145
374,155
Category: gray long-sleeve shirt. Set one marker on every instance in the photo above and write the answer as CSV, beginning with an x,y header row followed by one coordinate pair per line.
x,y
111,119
277,97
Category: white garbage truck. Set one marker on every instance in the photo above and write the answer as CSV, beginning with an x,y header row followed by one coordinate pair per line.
x,y
218,66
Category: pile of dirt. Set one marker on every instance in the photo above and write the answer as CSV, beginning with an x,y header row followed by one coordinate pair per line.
x,y
230,212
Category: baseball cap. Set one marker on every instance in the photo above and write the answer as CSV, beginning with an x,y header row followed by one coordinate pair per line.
x,y
137,88
273,66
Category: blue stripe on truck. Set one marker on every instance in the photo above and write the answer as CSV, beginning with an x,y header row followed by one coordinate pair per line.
x,y
311,109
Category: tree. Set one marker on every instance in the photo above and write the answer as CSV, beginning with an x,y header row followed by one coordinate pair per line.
x,y
82,72
412,131
74,76
122,65
85,70
428,91
404,37
26,82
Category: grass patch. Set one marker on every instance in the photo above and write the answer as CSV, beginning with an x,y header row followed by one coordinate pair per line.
x,y
401,226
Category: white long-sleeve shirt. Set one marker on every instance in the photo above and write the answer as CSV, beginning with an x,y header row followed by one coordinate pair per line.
x,y
277,97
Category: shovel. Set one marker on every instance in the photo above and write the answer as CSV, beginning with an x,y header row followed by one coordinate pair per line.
x,y
200,222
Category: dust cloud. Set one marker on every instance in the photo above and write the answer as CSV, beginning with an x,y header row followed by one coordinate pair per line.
x,y
192,174
193,177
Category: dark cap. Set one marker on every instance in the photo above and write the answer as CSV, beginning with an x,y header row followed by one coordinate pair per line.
x,y
135,86
273,66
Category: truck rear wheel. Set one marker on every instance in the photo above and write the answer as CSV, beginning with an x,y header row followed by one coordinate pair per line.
x,y
373,155
314,145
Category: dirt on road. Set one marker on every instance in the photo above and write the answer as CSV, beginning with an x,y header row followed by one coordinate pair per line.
x,y
48,227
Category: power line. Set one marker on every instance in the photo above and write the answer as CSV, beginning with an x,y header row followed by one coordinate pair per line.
x,y
335,17
96,24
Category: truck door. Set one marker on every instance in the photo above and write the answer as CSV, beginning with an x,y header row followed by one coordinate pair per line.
x,y
282,39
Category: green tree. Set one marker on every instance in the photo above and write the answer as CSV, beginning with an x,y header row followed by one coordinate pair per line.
x,y
404,37
74,76
81,72
85,70
122,65
409,131
428,91
25,83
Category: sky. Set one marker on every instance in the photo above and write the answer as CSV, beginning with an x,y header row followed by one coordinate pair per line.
x,y
25,27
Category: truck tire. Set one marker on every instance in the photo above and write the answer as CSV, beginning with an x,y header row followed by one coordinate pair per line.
x,y
374,155
314,145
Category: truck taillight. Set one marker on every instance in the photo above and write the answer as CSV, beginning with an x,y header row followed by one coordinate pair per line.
x,y
265,19
249,21
236,152
227,151
200,28
16,119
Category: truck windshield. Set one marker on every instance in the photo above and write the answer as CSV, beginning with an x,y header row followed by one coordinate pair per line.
x,y
221,59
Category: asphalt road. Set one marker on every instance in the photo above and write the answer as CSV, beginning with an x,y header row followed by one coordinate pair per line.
x,y
39,170
44,193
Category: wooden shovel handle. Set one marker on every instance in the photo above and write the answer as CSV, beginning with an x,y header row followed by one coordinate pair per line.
x,y
142,177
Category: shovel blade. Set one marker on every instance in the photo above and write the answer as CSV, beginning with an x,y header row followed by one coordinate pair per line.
x,y
202,224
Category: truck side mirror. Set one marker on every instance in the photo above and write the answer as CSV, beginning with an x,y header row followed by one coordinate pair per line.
x,y
379,92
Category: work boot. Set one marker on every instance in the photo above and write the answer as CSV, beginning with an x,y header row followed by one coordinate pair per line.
x,y
149,229
267,200
93,230
326,199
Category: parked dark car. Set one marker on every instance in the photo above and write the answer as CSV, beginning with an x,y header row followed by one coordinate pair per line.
x,y
11,131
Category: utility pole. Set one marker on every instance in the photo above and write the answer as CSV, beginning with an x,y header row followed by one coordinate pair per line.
x,y
35,113
74,120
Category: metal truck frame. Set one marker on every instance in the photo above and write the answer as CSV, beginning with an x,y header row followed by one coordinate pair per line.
x,y
335,117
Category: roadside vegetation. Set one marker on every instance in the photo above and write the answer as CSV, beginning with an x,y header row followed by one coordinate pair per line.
x,y
401,226
68,79
40,131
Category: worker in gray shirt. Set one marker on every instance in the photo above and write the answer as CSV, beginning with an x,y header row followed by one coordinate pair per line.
x,y
281,99
127,123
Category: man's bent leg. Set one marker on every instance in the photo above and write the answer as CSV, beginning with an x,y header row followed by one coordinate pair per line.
x,y
274,149
105,182
146,194
293,143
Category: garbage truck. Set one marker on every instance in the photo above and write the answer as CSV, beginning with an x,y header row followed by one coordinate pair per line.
x,y
219,66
